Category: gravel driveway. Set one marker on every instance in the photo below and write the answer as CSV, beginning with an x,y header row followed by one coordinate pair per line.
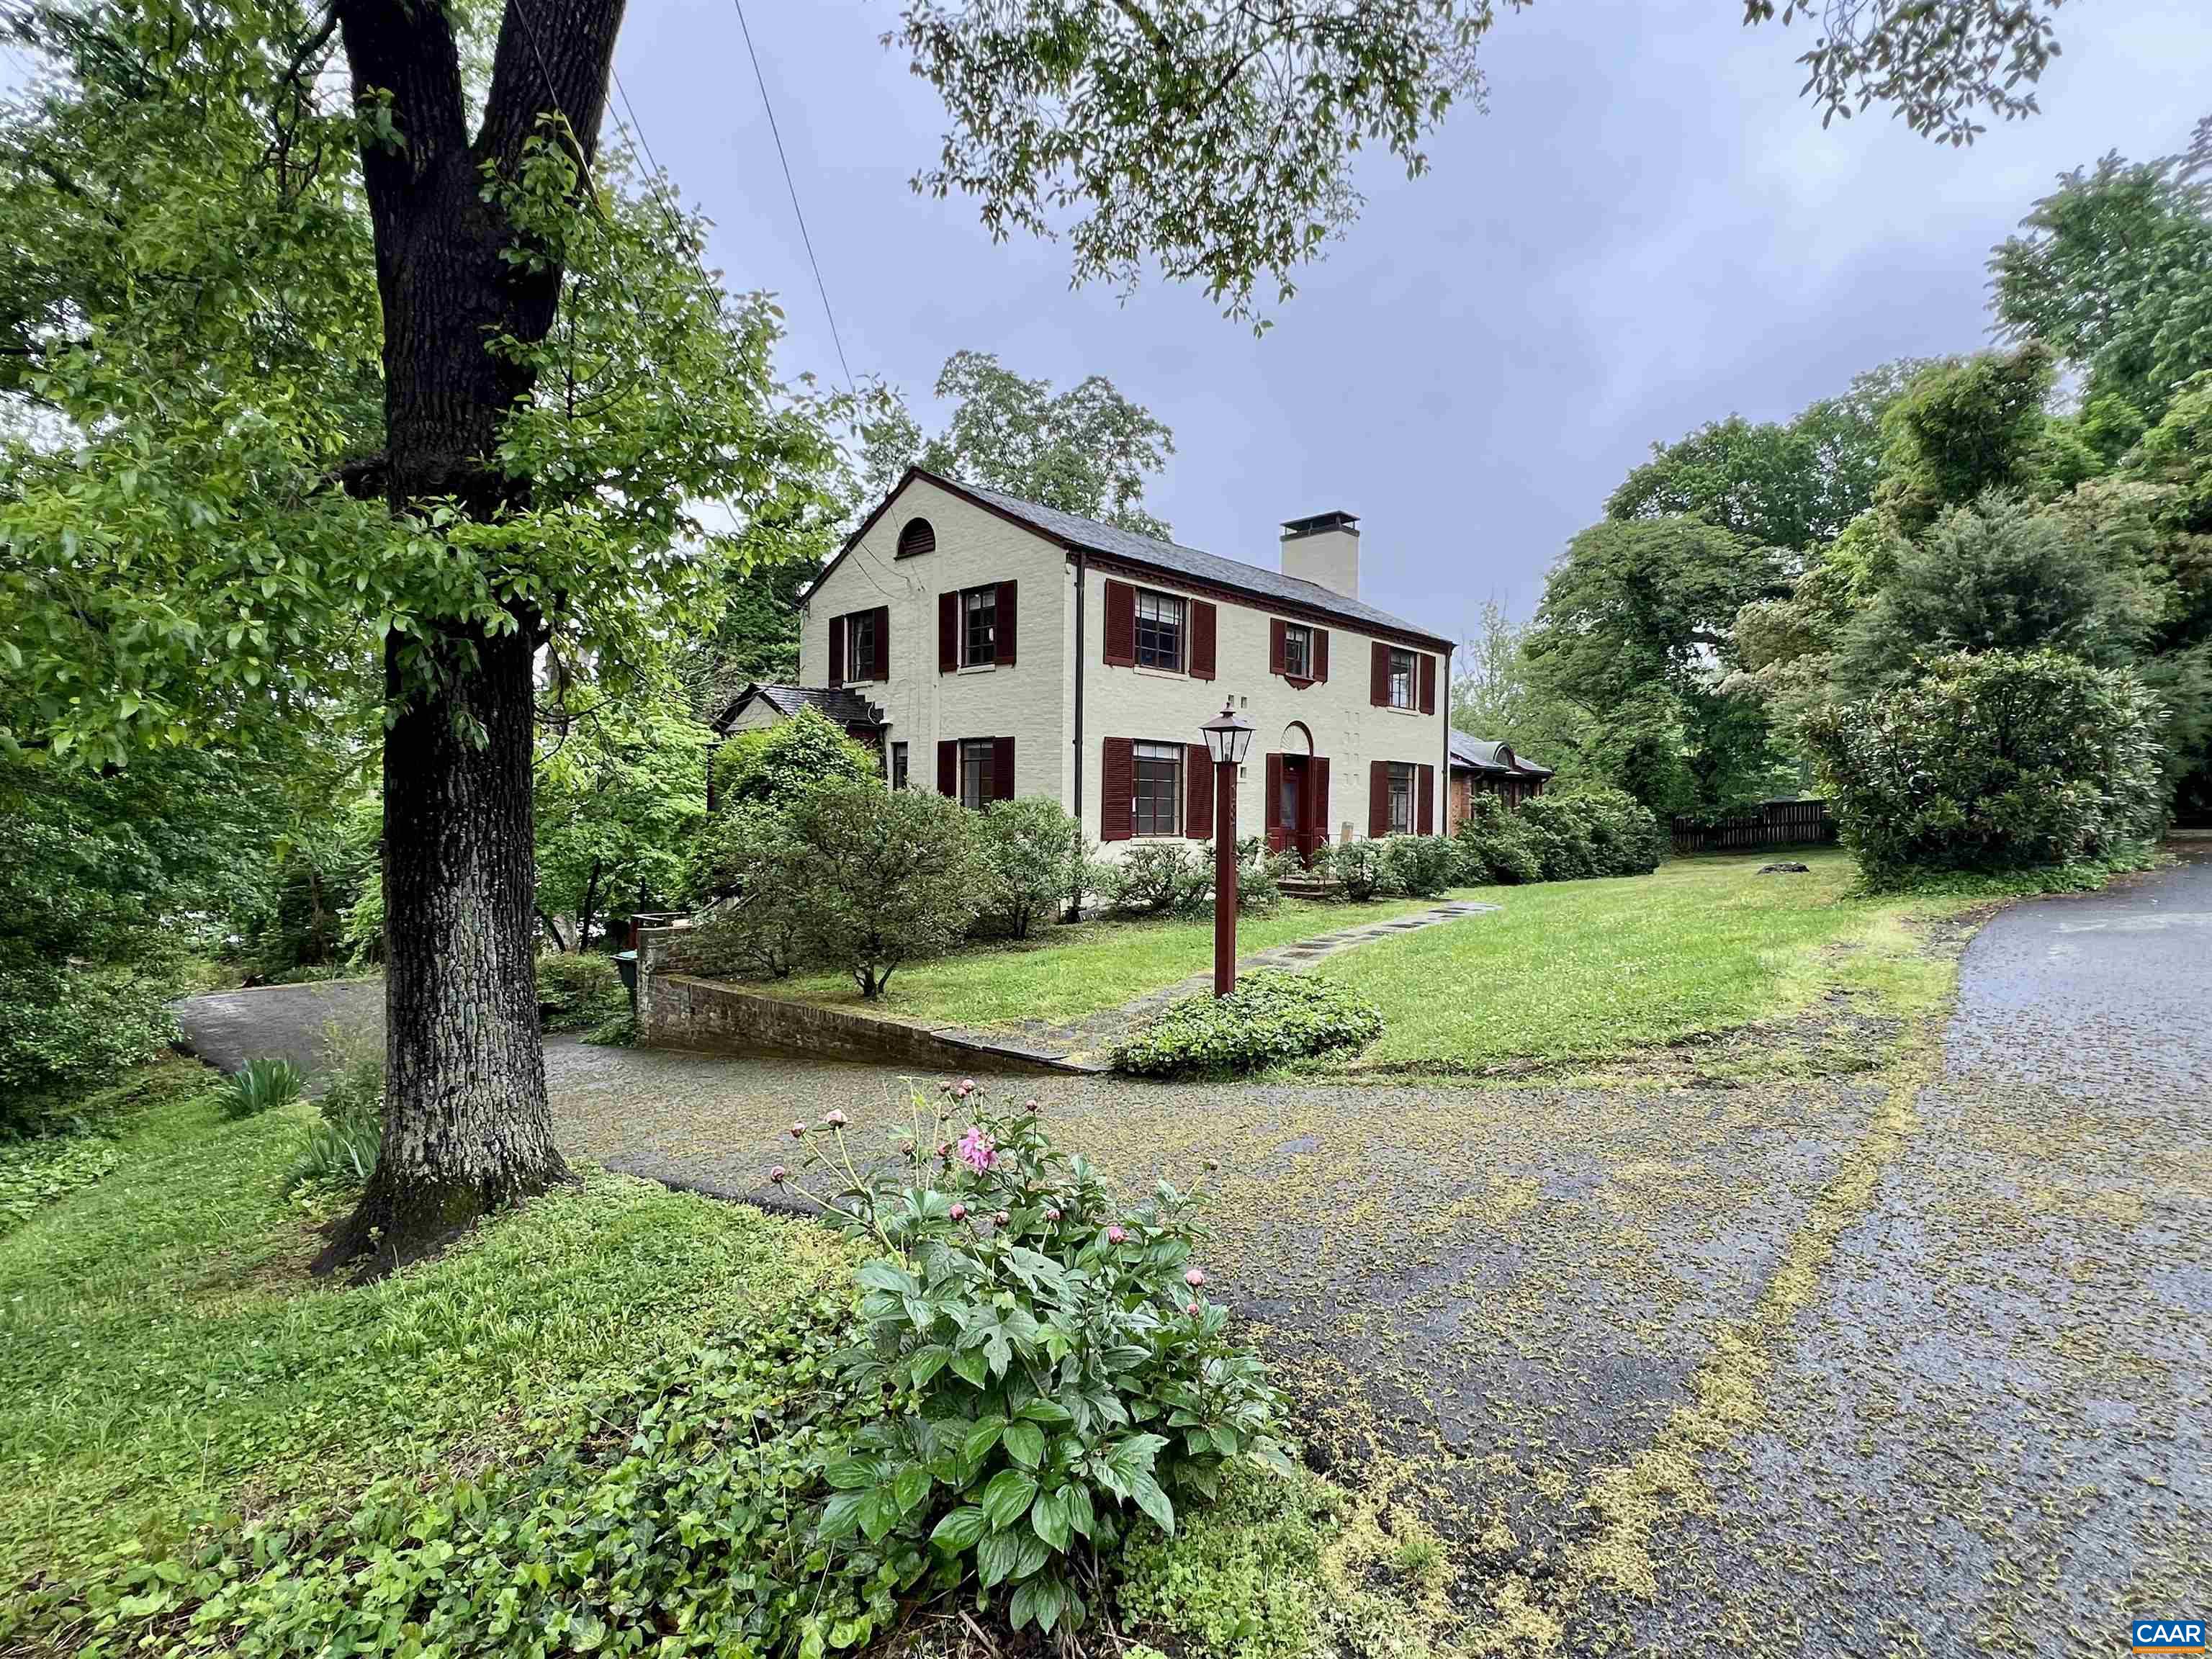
x,y
1839,1365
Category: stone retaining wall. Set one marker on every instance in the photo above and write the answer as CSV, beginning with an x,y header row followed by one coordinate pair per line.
x,y
682,1011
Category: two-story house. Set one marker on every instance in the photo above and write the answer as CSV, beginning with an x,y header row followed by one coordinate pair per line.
x,y
999,648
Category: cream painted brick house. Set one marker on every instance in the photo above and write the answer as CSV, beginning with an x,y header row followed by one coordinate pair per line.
x,y
998,648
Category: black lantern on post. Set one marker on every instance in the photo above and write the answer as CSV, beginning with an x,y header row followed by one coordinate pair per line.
x,y
1228,739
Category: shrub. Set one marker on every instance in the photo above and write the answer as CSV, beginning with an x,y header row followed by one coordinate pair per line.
x,y
1991,762
1422,865
747,854
884,875
1160,878
1270,1016
1089,875
775,765
1358,867
1623,834
1493,847
1560,830
1031,851
66,1028
1044,1367
1259,873
262,1085
579,990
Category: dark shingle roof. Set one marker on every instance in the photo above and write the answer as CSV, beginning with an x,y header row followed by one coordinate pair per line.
x,y
1088,533
840,703
1484,756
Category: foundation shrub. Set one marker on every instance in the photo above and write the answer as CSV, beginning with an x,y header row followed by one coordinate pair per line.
x,y
1163,878
1271,1016
1031,851
1494,849
1421,865
1359,867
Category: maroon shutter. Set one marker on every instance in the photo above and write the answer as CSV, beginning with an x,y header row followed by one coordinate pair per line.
x,y
1198,792
1317,784
881,668
948,632
837,651
948,768
1002,639
1201,640
1426,814
1120,627
1275,631
1428,683
1320,654
1002,769
1117,786
1378,796
1271,814
1378,688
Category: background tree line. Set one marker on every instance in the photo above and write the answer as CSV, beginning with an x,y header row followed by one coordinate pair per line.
x,y
2055,491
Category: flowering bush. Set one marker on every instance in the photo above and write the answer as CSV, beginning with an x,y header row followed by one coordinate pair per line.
x,y
1270,1016
1049,1370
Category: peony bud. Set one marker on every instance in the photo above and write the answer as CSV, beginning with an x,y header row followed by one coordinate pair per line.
x,y
1115,1235
960,1213
799,1132
1194,1278
1193,1309
778,1175
1052,1213
835,1120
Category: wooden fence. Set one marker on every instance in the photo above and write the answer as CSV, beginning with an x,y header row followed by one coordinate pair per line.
x,y
1776,824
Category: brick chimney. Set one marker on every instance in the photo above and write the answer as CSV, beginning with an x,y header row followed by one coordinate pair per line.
x,y
1324,549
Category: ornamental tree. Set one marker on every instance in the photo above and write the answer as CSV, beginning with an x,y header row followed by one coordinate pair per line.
x,y
307,371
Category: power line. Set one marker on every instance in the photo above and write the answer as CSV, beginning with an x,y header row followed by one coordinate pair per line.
x,y
797,212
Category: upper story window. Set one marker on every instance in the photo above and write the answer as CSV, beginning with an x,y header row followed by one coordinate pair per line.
x,y
1158,806
1402,784
979,626
1297,651
1160,632
978,781
860,645
917,538
1401,679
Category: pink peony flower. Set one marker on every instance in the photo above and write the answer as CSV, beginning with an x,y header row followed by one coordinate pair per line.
x,y
1193,1310
1030,1105
1001,1218
960,1213
799,1132
1194,1278
968,1084
944,1152
1115,1235
778,1175
976,1150
1051,1213
835,1120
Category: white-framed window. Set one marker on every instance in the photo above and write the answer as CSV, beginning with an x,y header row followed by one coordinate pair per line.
x,y
1297,651
1404,779
979,626
978,779
1158,807
1159,631
860,645
1402,669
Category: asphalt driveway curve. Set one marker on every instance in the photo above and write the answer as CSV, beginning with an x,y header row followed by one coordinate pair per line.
x,y
1854,1364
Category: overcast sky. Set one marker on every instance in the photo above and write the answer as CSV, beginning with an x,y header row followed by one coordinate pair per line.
x,y
1645,230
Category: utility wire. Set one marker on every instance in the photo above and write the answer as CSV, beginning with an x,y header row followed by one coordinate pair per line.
x,y
797,212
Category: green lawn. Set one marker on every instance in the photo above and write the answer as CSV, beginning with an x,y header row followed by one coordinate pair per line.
x,y
1064,972
166,1366
1569,972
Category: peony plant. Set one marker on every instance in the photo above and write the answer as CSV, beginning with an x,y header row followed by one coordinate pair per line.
x,y
1051,1370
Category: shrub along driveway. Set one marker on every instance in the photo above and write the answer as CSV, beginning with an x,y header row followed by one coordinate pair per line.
x,y
1906,1356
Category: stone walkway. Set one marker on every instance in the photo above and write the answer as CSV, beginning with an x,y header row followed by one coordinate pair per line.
x,y
1084,1044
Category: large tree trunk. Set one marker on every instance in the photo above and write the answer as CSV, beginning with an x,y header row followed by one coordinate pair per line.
x,y
466,1125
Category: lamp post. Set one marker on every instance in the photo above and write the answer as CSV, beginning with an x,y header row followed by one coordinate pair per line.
x,y
1227,738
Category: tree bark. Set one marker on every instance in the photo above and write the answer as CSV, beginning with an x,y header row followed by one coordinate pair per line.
x,y
466,1127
